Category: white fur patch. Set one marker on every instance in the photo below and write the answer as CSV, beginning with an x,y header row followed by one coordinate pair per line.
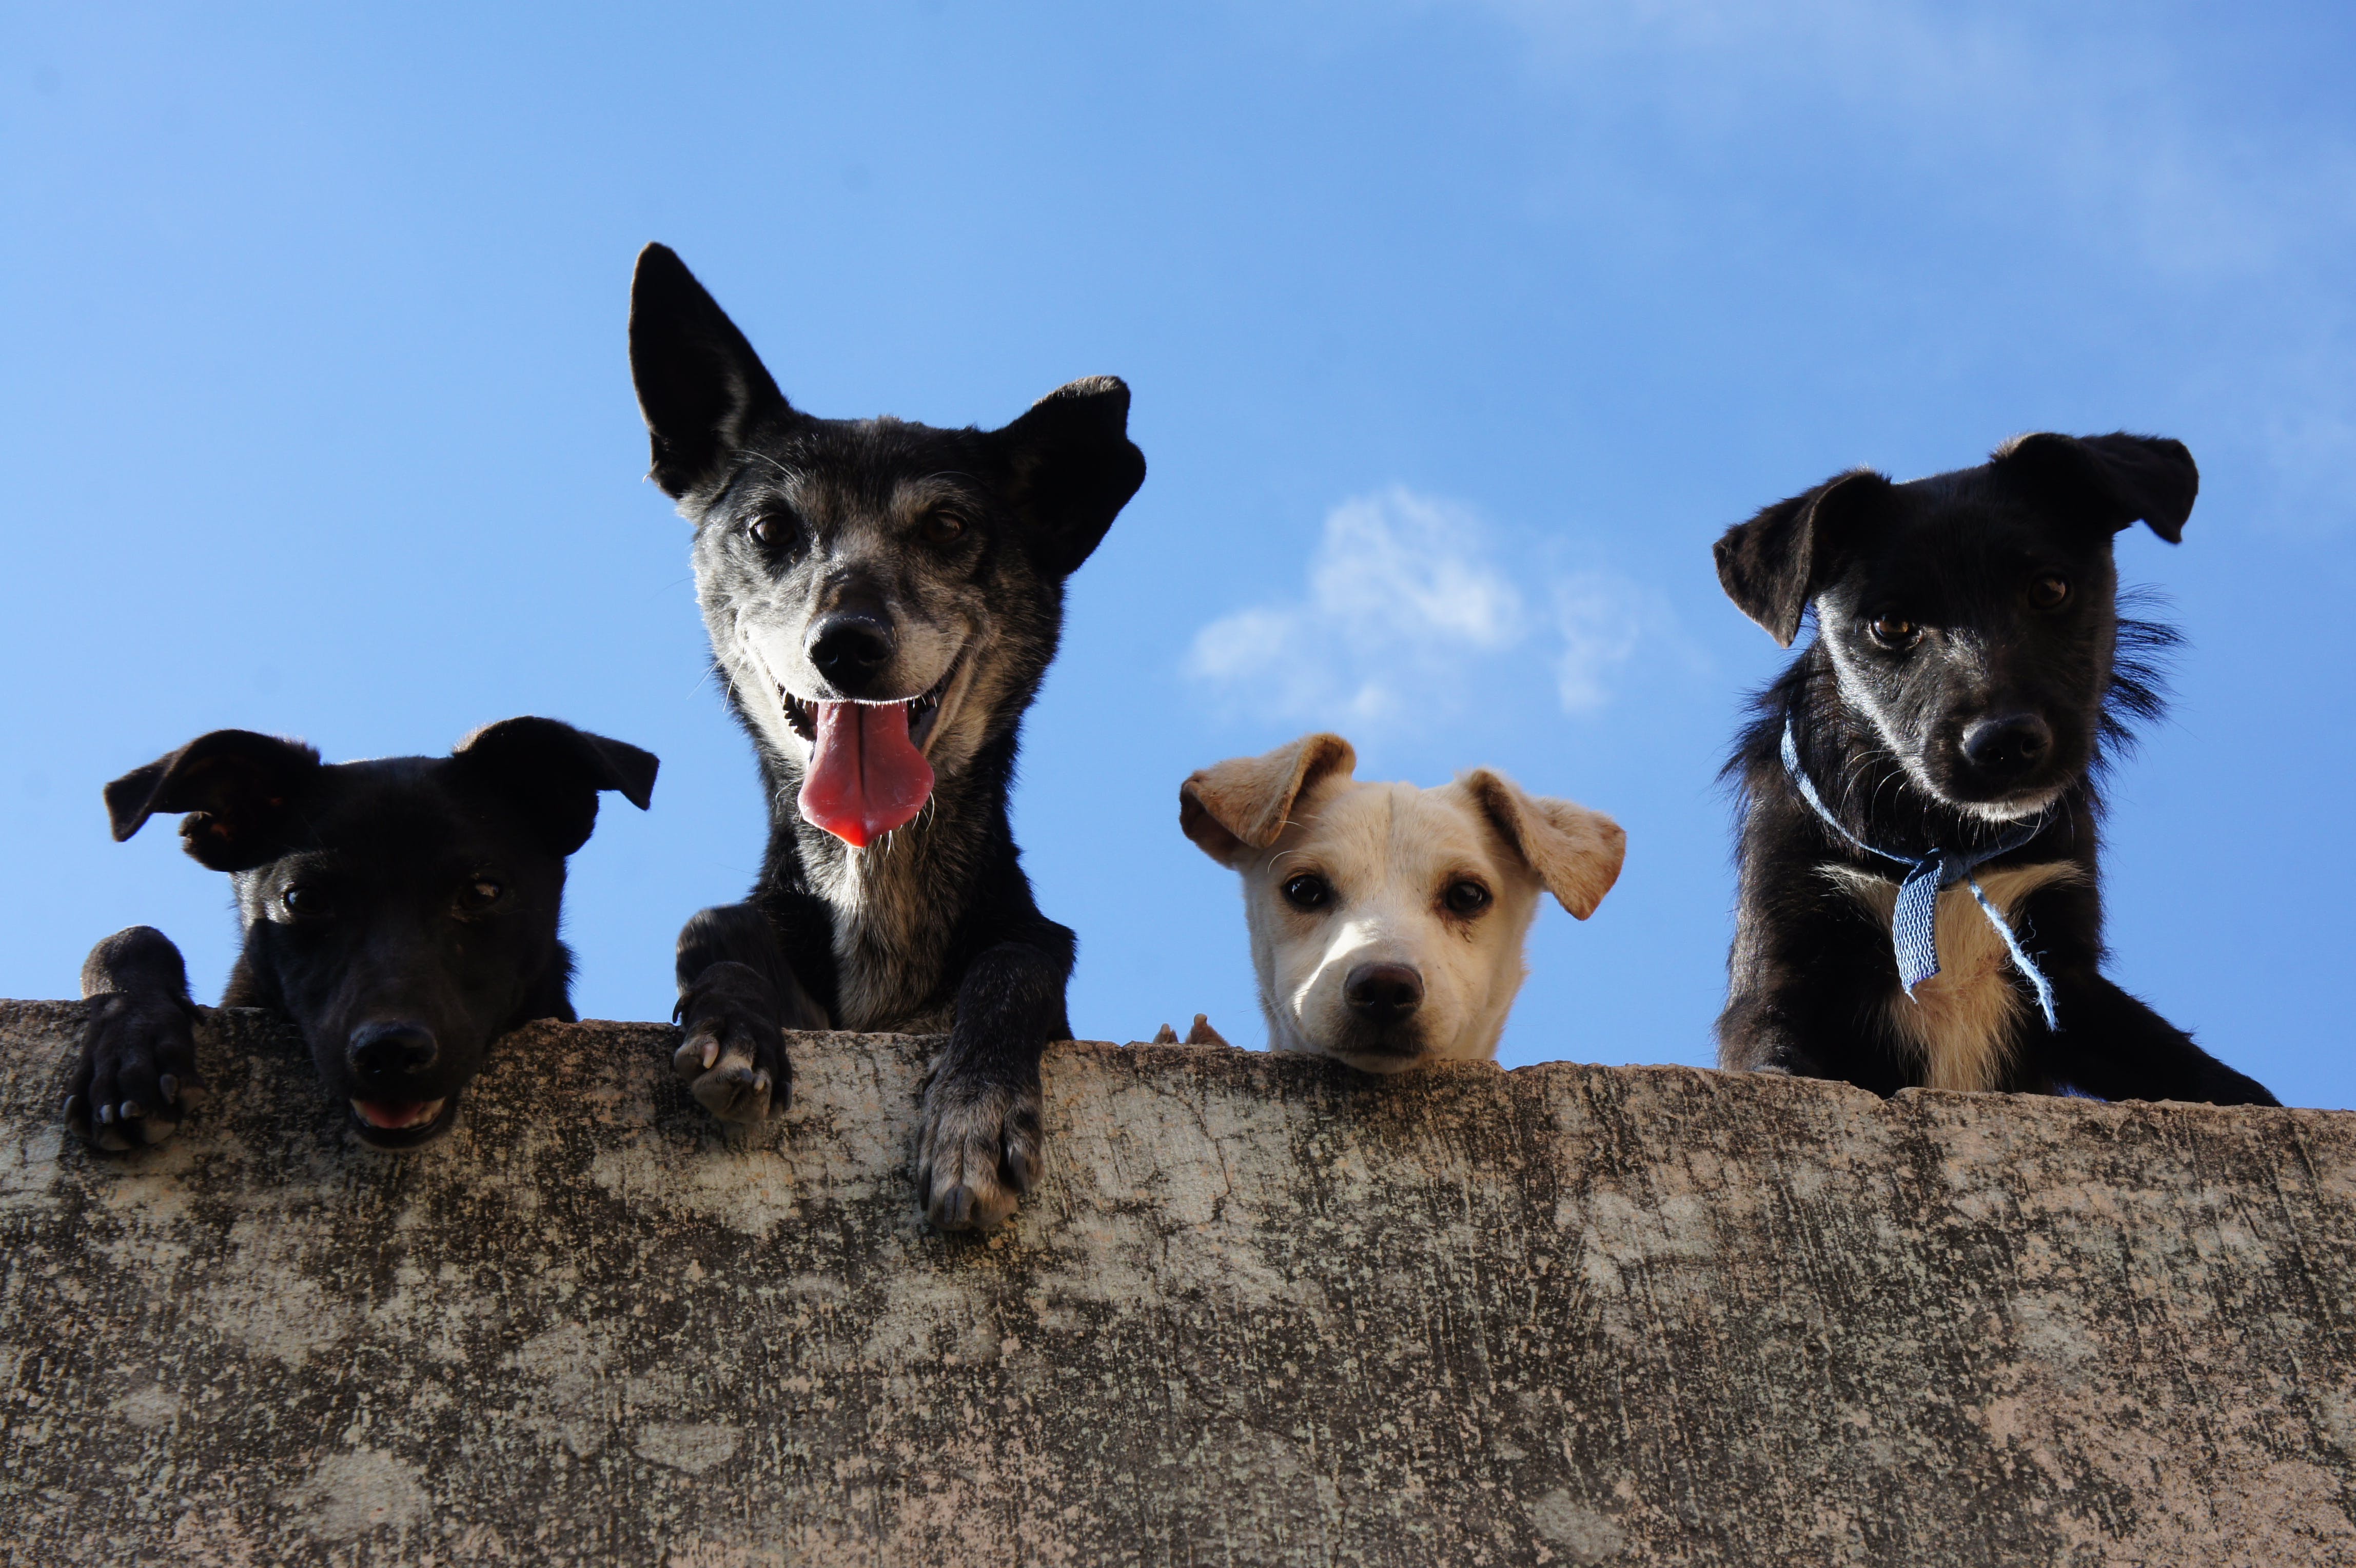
x,y
1960,1021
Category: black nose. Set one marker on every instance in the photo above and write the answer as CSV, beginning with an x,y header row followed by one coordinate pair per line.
x,y
850,649
387,1050
2007,746
1383,993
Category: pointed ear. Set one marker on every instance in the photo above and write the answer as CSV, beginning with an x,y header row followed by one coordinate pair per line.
x,y
236,788
2114,480
1576,853
1772,566
701,387
1233,809
554,772
1074,468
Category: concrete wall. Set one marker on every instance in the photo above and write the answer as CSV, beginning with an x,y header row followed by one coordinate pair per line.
x,y
1262,1312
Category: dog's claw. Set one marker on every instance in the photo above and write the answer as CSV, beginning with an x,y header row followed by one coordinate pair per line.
x,y
136,1079
735,1089
978,1153
733,1057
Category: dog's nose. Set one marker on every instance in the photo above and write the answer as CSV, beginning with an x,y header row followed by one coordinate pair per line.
x,y
1383,993
387,1050
850,649
2008,746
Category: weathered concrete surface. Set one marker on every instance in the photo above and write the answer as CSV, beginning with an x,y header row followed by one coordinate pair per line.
x,y
1261,1312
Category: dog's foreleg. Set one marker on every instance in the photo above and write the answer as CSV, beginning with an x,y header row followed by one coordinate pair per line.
x,y
737,995
1755,1034
979,1147
136,1077
2112,1045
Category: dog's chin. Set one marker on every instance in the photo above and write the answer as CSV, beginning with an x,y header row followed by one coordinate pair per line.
x,y
1383,1053
2014,806
1380,1064
396,1124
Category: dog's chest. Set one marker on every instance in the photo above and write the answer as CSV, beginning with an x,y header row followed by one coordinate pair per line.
x,y
890,929
1961,1022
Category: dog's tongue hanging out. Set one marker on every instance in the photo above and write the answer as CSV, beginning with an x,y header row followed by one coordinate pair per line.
x,y
866,776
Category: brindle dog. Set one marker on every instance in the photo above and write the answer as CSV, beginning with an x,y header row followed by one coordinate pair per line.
x,y
884,599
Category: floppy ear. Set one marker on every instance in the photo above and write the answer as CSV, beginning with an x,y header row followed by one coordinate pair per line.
x,y
1235,809
555,771
1576,853
234,785
2114,480
1770,566
1074,468
701,387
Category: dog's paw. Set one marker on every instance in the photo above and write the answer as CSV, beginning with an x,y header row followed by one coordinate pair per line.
x,y
978,1152
734,1054
136,1077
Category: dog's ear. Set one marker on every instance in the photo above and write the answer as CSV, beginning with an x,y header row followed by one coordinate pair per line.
x,y
235,786
1075,467
1235,809
701,387
1772,566
555,771
1576,853
2114,480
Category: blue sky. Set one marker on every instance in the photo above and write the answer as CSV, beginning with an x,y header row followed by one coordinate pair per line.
x,y
1457,332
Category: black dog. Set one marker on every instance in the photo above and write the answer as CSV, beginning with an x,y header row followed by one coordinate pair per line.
x,y
884,599
1946,731
401,912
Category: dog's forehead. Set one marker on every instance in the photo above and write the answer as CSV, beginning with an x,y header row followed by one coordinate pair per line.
x,y
1411,831
844,471
1949,528
404,811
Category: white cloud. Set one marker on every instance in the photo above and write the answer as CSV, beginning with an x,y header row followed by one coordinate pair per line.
x,y
1600,619
1410,613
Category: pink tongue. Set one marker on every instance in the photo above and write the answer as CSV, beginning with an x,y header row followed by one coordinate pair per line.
x,y
866,779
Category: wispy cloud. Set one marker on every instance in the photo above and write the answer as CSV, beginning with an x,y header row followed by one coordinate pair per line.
x,y
1413,609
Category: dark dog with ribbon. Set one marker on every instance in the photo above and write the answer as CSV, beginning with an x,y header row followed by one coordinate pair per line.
x,y
401,913
1920,901
884,599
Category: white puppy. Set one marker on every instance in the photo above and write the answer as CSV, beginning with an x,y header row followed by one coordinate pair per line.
x,y
1386,921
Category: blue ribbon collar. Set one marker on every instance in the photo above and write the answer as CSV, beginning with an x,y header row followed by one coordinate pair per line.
x,y
1914,925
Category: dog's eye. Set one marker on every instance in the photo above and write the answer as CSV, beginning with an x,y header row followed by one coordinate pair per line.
x,y
943,528
771,531
1308,891
1896,631
303,902
1466,897
479,895
2050,593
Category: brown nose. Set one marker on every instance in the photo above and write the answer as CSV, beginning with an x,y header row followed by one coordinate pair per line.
x,y
1383,993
